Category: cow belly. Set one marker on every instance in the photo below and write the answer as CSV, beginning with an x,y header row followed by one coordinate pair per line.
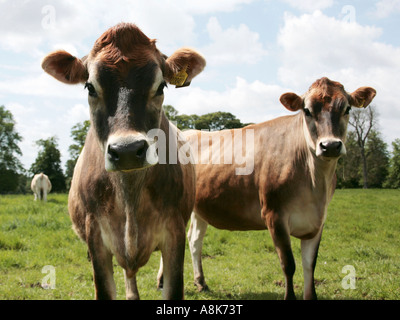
x,y
234,215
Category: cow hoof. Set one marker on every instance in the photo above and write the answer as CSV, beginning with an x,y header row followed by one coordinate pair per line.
x,y
201,287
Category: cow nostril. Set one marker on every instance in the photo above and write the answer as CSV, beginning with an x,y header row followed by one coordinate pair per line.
x,y
331,148
126,155
141,151
112,153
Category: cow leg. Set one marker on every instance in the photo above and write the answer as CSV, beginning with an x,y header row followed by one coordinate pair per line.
x,y
35,196
281,237
309,254
173,253
131,289
44,196
103,275
101,259
197,230
160,278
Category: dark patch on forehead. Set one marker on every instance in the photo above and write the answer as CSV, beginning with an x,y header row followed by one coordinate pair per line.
x,y
126,95
139,79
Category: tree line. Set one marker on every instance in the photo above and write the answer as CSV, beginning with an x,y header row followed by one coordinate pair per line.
x,y
368,163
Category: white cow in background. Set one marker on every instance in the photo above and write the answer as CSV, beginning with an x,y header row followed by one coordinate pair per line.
x,y
41,186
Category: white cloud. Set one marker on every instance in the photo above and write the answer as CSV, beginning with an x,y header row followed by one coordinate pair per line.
x,y
34,27
33,123
385,8
249,101
27,27
314,45
22,28
31,128
310,5
41,84
78,113
212,6
232,45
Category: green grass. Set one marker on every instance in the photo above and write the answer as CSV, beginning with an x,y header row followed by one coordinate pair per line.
x,y
362,230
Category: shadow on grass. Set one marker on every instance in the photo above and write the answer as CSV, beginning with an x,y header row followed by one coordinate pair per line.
x,y
223,295
56,201
219,295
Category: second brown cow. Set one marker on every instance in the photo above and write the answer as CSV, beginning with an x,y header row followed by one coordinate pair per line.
x,y
291,182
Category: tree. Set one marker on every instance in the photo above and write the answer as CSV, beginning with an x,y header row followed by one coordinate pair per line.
x,y
348,169
182,121
170,112
211,121
217,121
78,134
10,166
393,179
363,121
48,161
377,160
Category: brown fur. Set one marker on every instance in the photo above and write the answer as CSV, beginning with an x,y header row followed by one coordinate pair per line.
x,y
65,67
290,188
131,210
123,44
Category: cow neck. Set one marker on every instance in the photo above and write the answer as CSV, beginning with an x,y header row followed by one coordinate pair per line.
x,y
131,187
320,170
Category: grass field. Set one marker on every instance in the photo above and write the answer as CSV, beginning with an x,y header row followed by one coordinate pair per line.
x,y
362,230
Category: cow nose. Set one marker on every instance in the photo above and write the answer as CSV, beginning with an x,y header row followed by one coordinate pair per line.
x,y
127,156
331,148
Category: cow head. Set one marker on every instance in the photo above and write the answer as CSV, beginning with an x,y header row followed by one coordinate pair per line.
x,y
325,110
125,76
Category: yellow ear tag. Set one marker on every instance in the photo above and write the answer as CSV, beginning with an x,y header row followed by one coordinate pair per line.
x,y
179,79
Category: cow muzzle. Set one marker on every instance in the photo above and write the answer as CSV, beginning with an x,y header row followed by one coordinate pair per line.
x,y
127,153
330,149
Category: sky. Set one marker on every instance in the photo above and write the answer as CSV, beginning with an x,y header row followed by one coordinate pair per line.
x,y
256,50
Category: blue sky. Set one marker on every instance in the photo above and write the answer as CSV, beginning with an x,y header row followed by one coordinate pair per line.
x,y
255,51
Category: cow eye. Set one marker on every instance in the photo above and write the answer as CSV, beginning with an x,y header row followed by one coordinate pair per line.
x,y
307,112
347,110
160,90
91,90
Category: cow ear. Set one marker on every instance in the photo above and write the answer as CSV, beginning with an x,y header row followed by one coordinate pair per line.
x,y
362,97
182,66
65,67
291,101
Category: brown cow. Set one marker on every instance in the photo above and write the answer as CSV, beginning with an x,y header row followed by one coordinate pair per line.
x,y
291,185
122,202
